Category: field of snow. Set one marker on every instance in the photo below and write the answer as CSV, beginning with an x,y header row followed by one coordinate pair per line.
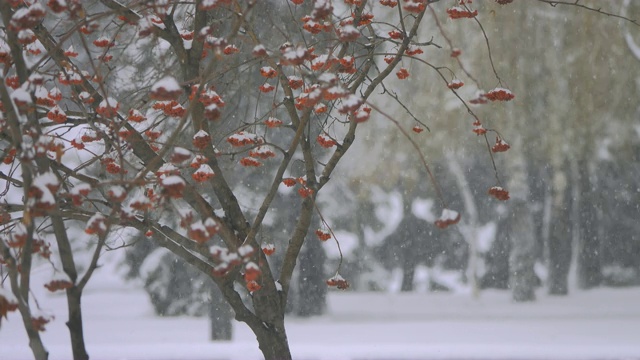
x,y
601,324
598,324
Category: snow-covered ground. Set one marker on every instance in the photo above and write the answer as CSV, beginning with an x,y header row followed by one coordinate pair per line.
x,y
598,324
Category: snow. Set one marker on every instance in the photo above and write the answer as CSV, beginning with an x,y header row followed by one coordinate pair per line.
x,y
19,229
109,102
8,295
198,225
259,50
20,13
267,70
291,55
243,137
172,180
349,30
97,219
348,244
205,169
388,211
596,324
219,213
21,95
320,60
41,92
423,209
185,213
252,266
167,168
60,276
210,223
81,187
448,214
201,134
84,95
245,250
45,179
485,236
117,191
168,83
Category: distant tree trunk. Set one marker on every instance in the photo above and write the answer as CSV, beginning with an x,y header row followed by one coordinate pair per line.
x,y
408,272
410,234
496,275
559,242
312,289
522,278
469,229
220,316
589,267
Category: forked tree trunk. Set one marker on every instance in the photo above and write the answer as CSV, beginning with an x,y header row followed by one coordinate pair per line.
x,y
74,324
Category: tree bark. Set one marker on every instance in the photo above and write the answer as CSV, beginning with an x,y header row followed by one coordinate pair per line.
x,y
589,267
272,341
497,262
312,289
521,260
469,228
409,235
74,324
220,316
408,272
522,278
559,254
559,242
35,343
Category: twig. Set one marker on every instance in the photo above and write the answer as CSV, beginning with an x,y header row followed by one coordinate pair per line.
x,y
589,8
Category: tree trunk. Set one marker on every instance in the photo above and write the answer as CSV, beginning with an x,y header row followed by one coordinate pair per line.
x,y
273,342
35,343
408,272
312,289
220,316
559,241
522,278
559,253
410,234
74,324
589,268
496,275
469,228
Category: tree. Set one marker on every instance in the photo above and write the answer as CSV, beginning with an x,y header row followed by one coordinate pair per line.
x,y
239,100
